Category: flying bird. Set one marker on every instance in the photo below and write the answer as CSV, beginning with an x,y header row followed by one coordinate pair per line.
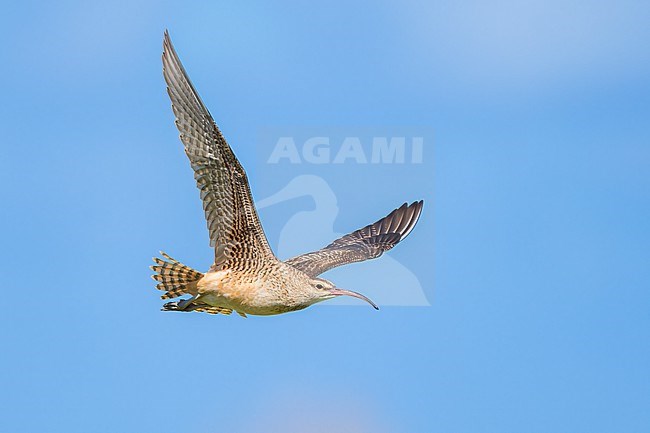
x,y
246,276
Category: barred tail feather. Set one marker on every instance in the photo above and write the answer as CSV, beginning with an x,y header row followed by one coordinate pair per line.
x,y
174,278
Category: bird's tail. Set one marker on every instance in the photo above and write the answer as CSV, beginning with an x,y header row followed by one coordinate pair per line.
x,y
174,278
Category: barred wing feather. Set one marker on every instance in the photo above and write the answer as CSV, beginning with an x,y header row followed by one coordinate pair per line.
x,y
233,224
367,243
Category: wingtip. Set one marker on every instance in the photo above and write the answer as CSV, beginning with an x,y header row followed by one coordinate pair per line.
x,y
165,41
414,218
417,205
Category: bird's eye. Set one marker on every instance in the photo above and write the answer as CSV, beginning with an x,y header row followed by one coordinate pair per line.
x,y
319,286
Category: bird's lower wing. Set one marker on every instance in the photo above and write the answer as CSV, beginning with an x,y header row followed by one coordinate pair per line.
x,y
367,243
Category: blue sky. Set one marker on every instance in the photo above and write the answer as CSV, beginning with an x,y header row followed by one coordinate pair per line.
x,y
532,249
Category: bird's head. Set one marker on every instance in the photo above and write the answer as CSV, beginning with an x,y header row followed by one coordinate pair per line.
x,y
322,289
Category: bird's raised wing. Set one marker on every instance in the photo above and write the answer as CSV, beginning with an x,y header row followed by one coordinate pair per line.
x,y
366,243
235,229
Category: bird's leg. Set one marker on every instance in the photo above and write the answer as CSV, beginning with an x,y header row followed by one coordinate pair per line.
x,y
181,305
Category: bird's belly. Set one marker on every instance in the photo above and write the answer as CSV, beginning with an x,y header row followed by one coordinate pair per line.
x,y
241,295
243,304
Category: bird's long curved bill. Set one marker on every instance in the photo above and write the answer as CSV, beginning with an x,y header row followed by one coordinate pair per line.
x,y
343,292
